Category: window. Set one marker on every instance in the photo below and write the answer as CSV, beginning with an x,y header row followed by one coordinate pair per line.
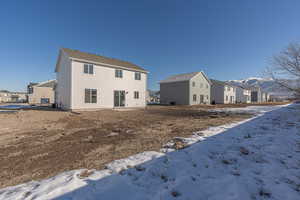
x,y
206,85
30,90
88,68
207,97
201,85
226,98
193,84
119,73
136,94
137,76
228,88
194,97
90,96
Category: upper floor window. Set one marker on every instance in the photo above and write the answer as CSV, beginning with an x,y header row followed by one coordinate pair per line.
x,y
30,90
201,85
88,68
137,76
119,73
193,84
90,96
136,95
228,88
206,85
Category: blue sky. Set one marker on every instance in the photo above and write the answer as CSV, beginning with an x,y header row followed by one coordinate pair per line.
x,y
230,39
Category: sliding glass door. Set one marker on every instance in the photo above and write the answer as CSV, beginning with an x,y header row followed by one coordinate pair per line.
x,y
119,98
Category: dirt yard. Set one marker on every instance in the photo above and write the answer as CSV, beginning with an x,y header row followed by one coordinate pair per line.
x,y
36,144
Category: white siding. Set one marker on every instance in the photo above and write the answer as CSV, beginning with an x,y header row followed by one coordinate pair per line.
x,y
105,82
63,87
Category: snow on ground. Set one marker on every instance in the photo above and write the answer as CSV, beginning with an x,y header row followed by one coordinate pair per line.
x,y
14,107
249,109
256,159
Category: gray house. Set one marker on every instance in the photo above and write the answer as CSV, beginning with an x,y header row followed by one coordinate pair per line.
x,y
222,92
185,89
256,95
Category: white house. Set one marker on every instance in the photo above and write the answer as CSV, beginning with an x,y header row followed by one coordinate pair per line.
x,y
222,92
243,95
88,81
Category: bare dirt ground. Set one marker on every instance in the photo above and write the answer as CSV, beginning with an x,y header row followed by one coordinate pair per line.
x,y
36,144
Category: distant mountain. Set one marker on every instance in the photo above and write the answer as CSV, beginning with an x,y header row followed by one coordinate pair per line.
x,y
268,85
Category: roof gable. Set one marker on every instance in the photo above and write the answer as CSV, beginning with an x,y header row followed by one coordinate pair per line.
x,y
88,57
50,83
221,83
179,77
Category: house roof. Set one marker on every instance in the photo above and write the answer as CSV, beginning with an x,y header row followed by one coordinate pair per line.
x,y
221,83
50,83
183,77
88,57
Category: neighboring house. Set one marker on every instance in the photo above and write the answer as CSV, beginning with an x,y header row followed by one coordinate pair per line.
x,y
268,97
88,81
243,95
18,97
5,96
153,97
256,95
41,93
185,89
263,97
222,92
12,97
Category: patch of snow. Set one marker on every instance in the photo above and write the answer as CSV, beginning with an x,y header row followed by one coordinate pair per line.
x,y
122,164
255,159
14,107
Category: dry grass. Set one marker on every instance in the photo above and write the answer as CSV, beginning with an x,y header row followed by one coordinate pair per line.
x,y
38,144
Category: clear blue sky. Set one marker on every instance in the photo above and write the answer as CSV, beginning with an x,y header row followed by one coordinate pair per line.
x,y
230,39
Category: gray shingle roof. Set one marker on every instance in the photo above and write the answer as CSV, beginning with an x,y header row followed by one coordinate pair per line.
x,y
179,77
101,59
222,83
50,84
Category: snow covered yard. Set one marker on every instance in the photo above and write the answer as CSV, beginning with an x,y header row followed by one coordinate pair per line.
x,y
256,159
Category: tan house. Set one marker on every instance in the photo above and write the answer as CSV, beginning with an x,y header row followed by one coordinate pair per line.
x,y
5,96
41,93
12,97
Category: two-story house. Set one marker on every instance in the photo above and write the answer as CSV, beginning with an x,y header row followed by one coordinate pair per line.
x,y
41,93
88,81
185,89
243,95
222,92
256,94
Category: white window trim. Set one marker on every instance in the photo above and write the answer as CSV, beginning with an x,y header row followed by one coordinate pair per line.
x,y
89,65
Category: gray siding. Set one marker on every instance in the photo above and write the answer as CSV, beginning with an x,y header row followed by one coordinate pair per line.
x,y
177,92
217,93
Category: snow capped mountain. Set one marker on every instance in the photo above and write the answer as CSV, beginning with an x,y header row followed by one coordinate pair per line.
x,y
267,85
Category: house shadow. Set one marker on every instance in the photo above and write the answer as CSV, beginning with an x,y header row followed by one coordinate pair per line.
x,y
116,186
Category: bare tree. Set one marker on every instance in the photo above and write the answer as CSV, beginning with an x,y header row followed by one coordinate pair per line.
x,y
286,67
